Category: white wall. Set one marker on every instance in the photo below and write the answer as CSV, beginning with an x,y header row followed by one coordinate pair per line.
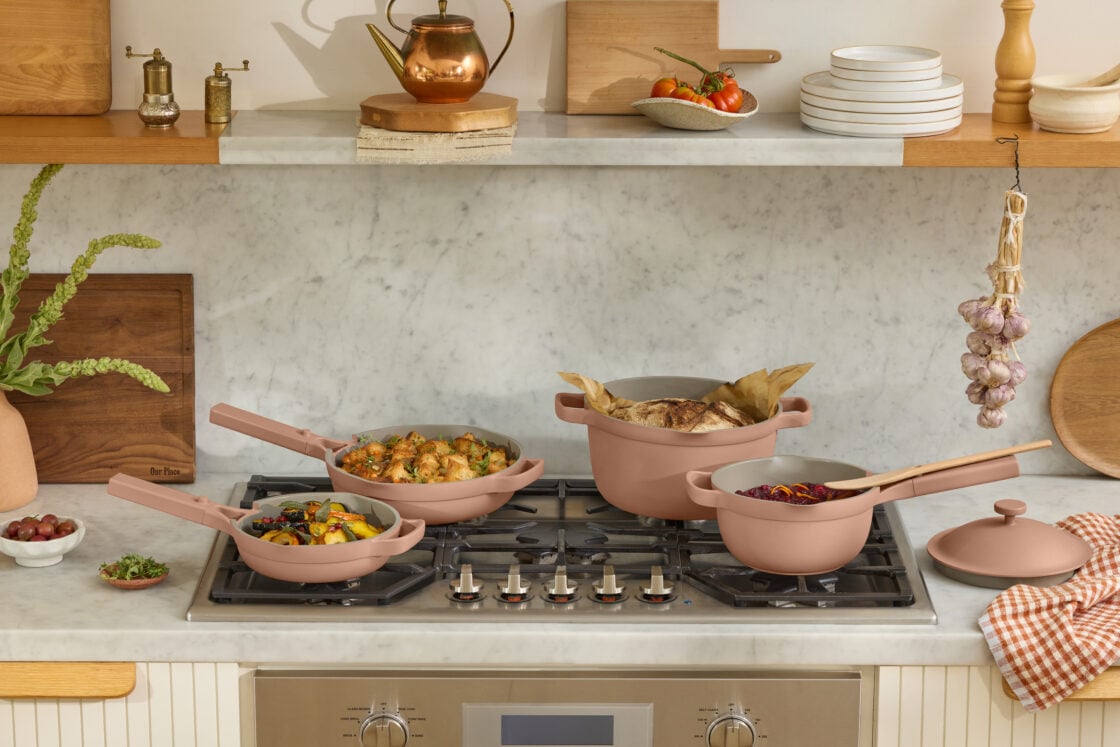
x,y
318,55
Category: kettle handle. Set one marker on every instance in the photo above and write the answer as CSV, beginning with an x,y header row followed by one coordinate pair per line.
x,y
509,40
389,18
443,8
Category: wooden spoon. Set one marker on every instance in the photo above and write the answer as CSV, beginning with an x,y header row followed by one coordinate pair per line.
x,y
1103,79
898,475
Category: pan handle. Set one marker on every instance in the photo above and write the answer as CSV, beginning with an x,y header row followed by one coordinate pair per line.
x,y
412,531
518,476
698,485
570,407
953,478
796,412
299,440
194,508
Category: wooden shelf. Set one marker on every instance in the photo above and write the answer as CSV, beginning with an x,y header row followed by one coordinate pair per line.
x,y
66,679
973,144
544,139
114,137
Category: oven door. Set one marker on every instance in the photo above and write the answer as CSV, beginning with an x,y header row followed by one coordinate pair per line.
x,y
329,708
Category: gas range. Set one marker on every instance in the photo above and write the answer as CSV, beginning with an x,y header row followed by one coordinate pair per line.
x,y
557,551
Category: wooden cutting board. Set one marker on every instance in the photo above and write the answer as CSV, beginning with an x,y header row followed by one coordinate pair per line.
x,y
1085,399
611,56
54,57
89,429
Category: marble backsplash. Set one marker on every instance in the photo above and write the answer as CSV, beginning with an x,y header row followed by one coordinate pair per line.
x,y
341,299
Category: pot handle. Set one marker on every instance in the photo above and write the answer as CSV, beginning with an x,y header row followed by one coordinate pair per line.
x,y
954,478
570,407
518,476
299,440
194,508
698,485
796,412
412,531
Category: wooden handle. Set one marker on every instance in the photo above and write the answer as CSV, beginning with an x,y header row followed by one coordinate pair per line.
x,y
1104,79
66,679
749,55
898,475
1106,686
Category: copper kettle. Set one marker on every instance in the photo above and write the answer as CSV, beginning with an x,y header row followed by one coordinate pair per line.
x,y
441,60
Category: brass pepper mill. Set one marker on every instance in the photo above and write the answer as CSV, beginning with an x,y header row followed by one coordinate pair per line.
x,y
219,98
158,107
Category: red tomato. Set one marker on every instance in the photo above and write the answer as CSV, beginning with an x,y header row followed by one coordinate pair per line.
x,y
688,93
664,87
722,88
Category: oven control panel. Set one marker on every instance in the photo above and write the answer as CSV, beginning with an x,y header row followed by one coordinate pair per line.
x,y
359,708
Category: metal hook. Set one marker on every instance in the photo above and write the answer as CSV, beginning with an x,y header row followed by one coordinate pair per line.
x,y
1015,139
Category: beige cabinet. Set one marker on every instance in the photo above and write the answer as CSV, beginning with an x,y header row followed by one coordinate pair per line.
x,y
968,707
171,705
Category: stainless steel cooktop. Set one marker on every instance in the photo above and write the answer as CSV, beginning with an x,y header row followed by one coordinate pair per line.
x,y
559,552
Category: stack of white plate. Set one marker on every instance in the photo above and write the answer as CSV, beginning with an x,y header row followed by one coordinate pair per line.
x,y
882,91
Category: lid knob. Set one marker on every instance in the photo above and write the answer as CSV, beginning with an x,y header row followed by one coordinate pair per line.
x,y
1009,508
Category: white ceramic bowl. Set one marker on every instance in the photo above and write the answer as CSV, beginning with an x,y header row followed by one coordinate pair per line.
x,y
1059,106
890,86
40,554
905,118
861,129
823,84
885,57
932,75
685,115
881,107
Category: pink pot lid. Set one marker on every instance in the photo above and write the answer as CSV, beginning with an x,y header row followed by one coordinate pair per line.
x,y
1008,546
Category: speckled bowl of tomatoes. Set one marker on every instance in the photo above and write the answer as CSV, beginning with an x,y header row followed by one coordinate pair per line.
x,y
688,115
715,103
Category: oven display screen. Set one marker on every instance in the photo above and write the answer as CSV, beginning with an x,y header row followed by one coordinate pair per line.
x,y
566,730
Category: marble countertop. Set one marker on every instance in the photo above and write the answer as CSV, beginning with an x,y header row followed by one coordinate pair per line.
x,y
65,612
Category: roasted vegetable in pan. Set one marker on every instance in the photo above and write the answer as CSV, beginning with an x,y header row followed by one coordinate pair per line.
x,y
417,459
315,523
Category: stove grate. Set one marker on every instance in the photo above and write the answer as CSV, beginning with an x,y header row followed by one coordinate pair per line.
x,y
535,530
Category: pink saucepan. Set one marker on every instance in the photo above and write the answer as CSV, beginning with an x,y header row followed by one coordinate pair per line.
x,y
641,469
790,539
301,563
435,503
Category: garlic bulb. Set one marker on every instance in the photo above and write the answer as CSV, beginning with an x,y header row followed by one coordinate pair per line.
x,y
998,396
1016,326
979,342
971,364
991,417
1018,373
988,319
975,392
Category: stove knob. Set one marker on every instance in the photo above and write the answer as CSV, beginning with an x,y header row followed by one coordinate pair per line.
x,y
558,589
608,590
731,730
383,730
513,590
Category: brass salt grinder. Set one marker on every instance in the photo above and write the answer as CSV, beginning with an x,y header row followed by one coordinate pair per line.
x,y
158,107
219,99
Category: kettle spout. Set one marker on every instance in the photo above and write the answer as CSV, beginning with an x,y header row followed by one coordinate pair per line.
x,y
393,54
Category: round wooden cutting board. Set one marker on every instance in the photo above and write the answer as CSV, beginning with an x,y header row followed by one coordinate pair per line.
x,y
1085,399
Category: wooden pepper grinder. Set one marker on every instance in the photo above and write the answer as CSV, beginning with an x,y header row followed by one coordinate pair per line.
x,y
1014,63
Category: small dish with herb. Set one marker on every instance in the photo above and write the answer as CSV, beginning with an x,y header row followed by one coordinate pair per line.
x,y
133,571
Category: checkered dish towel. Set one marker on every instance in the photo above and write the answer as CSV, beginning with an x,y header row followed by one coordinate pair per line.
x,y
1051,642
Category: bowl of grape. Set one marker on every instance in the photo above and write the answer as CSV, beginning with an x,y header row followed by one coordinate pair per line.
x,y
39,541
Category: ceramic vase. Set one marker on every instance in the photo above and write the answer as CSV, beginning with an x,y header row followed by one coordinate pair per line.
x,y
19,481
